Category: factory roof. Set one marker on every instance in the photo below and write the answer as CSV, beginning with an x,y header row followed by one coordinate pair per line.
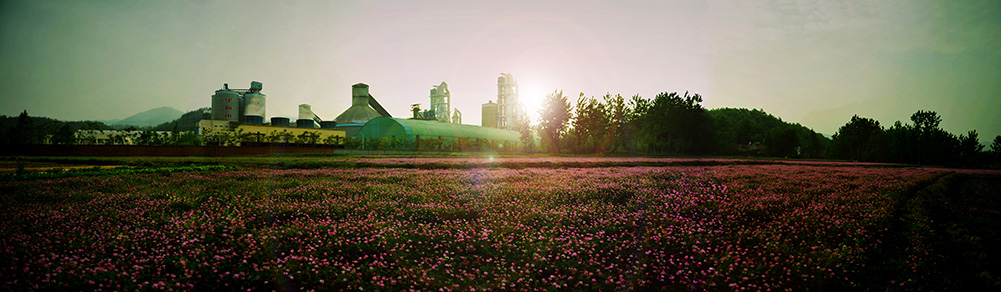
x,y
409,128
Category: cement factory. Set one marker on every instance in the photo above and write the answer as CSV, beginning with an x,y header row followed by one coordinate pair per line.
x,y
242,112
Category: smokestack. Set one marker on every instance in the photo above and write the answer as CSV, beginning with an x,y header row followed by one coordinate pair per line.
x,y
359,94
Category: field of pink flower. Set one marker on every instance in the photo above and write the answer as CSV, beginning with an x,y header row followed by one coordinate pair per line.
x,y
722,227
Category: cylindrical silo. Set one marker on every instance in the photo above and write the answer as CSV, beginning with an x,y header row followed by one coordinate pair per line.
x,y
254,108
226,105
279,121
328,124
489,115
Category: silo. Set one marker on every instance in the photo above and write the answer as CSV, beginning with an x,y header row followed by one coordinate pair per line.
x,y
279,121
328,124
226,105
254,108
360,111
489,115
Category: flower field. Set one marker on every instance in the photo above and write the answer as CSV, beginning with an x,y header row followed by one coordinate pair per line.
x,y
714,227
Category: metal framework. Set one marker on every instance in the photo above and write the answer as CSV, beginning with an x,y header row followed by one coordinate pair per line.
x,y
441,102
509,108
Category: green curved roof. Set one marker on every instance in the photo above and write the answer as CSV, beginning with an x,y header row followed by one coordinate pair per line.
x,y
407,128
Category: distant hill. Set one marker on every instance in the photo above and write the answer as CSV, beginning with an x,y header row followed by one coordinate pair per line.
x,y
741,126
187,122
150,118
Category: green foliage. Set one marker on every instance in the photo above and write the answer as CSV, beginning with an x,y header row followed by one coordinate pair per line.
x,y
187,122
25,131
333,140
96,171
307,137
922,142
861,139
782,142
524,129
970,150
739,131
64,136
676,124
590,121
554,117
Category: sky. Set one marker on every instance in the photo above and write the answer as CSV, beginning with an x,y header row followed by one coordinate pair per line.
x,y
816,63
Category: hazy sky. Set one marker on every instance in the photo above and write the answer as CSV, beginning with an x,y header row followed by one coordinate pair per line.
x,y
811,62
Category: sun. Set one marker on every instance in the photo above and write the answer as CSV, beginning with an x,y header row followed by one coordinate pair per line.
x,y
531,97
533,86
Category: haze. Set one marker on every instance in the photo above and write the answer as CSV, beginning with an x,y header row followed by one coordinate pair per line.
x,y
812,62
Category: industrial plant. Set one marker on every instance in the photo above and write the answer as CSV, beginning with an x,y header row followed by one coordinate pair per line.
x,y
241,112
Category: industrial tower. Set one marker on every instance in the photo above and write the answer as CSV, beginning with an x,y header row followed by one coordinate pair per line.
x,y
509,108
441,102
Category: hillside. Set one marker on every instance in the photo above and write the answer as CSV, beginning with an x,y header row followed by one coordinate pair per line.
x,y
151,117
741,126
186,122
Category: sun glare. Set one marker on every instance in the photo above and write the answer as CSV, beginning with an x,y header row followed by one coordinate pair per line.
x,y
531,95
533,86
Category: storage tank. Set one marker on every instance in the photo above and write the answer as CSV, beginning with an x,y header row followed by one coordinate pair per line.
x,y
226,105
328,124
253,120
279,121
305,123
489,115
254,108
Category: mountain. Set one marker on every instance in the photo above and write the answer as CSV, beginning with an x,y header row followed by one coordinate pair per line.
x,y
151,117
187,122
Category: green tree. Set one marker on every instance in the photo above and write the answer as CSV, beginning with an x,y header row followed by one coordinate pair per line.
x,y
524,129
634,118
589,125
935,146
902,143
554,116
926,121
332,140
996,150
352,143
782,142
970,149
617,116
996,145
25,132
860,140
677,124
188,138
307,137
64,135
149,137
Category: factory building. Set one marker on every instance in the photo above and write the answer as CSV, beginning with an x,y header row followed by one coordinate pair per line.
x,y
237,116
242,134
363,108
240,113
413,132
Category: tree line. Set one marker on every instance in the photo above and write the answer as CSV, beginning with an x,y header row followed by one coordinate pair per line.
x,y
27,130
668,124
677,124
921,141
